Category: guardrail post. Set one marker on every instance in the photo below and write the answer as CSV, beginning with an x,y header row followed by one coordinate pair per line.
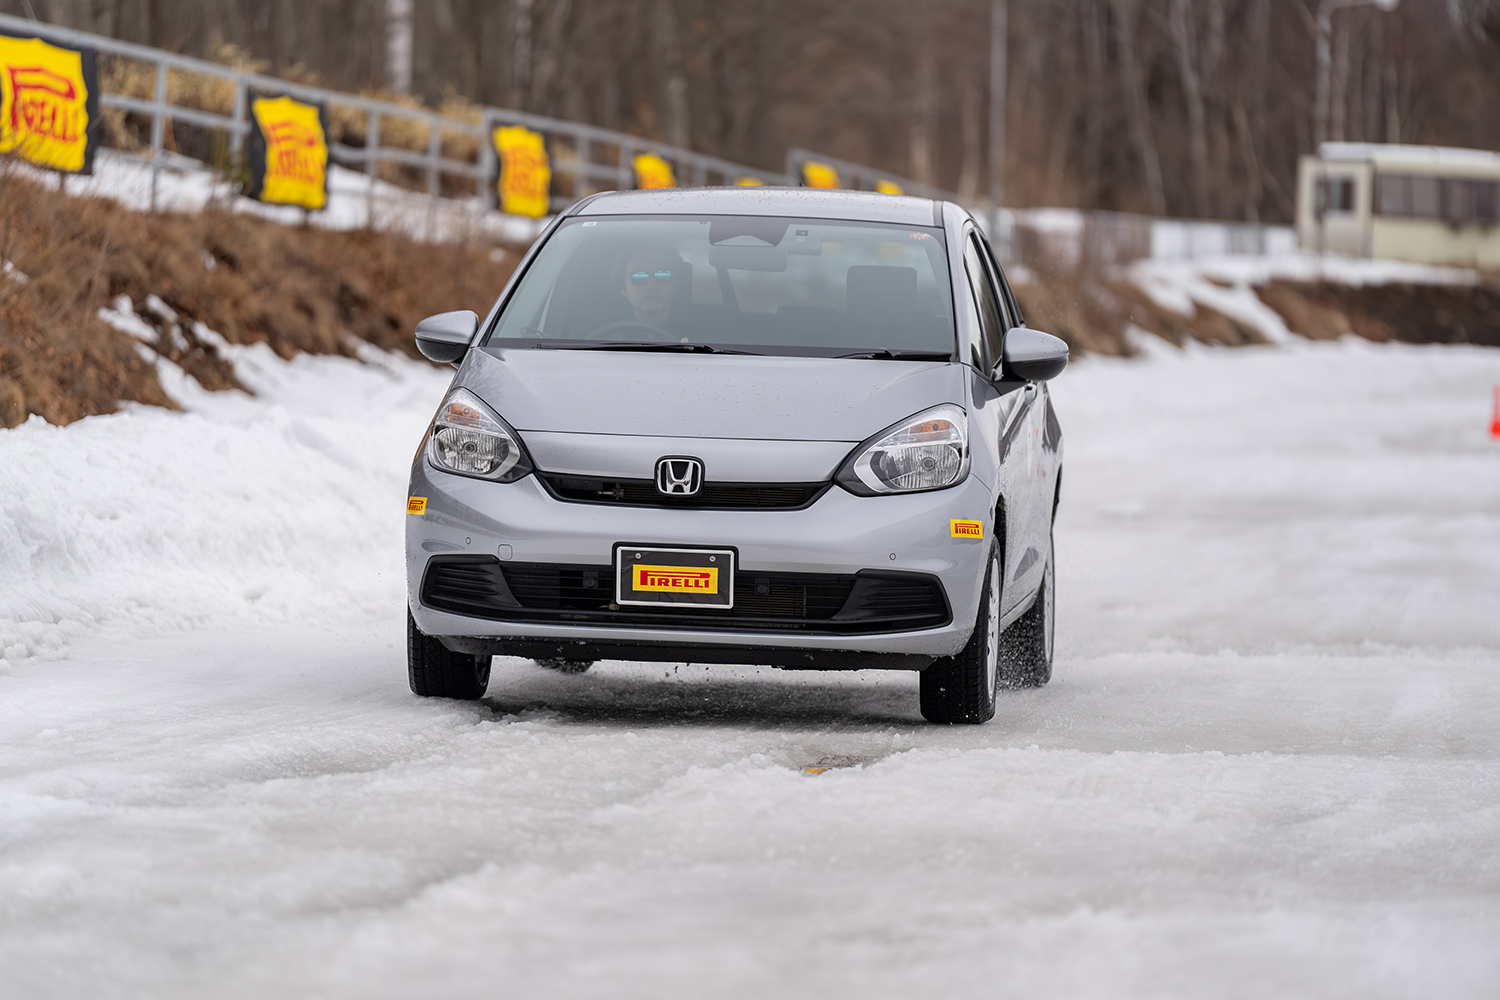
x,y
584,150
158,125
372,164
434,150
237,133
484,182
623,182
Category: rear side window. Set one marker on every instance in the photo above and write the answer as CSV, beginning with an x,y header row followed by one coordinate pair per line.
x,y
1007,297
989,305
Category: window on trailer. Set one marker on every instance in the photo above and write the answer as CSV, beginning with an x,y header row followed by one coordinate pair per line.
x,y
1458,200
1335,195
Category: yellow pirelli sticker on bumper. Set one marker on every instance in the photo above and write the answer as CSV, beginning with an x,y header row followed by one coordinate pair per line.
x,y
675,579
966,529
416,505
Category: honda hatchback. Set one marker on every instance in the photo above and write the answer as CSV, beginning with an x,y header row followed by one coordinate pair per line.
x,y
799,428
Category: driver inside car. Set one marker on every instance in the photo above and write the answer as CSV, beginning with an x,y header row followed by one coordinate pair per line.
x,y
649,284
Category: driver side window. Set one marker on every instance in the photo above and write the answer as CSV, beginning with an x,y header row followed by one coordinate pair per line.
x,y
992,329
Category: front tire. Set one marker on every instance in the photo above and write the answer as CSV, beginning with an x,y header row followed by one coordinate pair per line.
x,y
1026,647
962,688
435,671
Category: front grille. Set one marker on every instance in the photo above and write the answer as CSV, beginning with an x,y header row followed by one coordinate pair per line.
x,y
713,496
869,601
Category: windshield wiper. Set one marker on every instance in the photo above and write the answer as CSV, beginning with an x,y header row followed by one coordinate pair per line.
x,y
888,355
644,345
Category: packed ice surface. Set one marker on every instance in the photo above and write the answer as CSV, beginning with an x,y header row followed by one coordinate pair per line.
x,y
1267,765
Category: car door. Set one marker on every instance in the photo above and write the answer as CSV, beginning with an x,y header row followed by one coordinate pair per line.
x,y
1015,456
1043,452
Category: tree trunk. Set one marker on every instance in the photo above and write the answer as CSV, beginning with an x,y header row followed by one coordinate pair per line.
x,y
398,45
1093,146
669,49
924,108
1184,40
520,86
1338,102
1133,88
968,177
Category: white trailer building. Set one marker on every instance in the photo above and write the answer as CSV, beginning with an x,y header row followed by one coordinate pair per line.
x,y
1421,203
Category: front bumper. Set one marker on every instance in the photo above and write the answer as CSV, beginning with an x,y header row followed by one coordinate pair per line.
x,y
838,534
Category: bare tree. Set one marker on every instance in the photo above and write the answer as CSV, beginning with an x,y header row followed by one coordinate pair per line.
x,y
1132,87
1107,97
1185,42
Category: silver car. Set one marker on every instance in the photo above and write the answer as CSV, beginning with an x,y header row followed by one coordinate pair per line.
x,y
800,428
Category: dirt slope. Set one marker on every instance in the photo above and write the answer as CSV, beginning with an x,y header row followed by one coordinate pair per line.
x,y
296,289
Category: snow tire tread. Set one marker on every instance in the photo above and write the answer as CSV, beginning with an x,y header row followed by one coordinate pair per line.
x,y
953,687
435,671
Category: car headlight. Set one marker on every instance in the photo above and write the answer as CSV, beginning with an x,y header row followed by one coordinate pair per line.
x,y
927,451
470,439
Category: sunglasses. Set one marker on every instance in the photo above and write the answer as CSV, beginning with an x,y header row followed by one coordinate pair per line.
x,y
642,277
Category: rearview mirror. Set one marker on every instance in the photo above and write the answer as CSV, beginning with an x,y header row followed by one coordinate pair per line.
x,y
1033,355
444,338
738,258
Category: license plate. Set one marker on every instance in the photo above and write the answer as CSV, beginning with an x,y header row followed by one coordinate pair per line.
x,y
674,578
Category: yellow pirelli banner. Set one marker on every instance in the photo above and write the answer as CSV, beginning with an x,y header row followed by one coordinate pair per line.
x,y
49,112
525,183
651,171
288,152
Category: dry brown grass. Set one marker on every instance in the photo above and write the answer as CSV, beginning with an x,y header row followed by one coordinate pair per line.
x,y
1418,314
346,124
1076,306
295,289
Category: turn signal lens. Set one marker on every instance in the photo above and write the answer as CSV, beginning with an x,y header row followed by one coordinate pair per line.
x,y
469,439
929,451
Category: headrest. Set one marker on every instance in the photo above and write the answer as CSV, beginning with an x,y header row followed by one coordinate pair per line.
x,y
876,290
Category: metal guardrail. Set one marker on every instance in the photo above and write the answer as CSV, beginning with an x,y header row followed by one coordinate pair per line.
x,y
1067,239
585,142
1098,238
858,176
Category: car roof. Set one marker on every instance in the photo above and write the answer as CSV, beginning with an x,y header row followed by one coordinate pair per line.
x,y
811,203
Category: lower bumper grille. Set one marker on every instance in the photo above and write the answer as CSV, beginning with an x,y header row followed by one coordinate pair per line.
x,y
816,603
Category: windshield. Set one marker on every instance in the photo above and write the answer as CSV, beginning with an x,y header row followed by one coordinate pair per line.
x,y
736,283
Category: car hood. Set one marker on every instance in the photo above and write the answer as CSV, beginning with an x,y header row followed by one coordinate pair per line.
x,y
705,395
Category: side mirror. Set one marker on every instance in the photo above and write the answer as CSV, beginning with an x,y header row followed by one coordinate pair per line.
x,y
444,338
1033,355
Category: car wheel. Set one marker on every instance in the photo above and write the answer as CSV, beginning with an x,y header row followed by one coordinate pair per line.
x,y
435,671
565,666
1026,647
962,688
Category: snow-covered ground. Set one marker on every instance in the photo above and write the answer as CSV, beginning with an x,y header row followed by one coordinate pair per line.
x,y
1227,283
1268,764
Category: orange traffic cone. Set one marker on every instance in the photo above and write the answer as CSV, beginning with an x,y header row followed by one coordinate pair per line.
x,y
1495,420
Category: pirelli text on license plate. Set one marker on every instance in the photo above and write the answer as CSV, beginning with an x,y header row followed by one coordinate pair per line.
x,y
673,577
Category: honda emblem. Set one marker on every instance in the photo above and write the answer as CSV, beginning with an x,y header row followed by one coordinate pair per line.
x,y
679,476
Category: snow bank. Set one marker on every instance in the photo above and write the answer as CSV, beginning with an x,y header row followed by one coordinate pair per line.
x,y
246,509
1227,283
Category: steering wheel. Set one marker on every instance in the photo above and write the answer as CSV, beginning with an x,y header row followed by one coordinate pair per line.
x,y
650,332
